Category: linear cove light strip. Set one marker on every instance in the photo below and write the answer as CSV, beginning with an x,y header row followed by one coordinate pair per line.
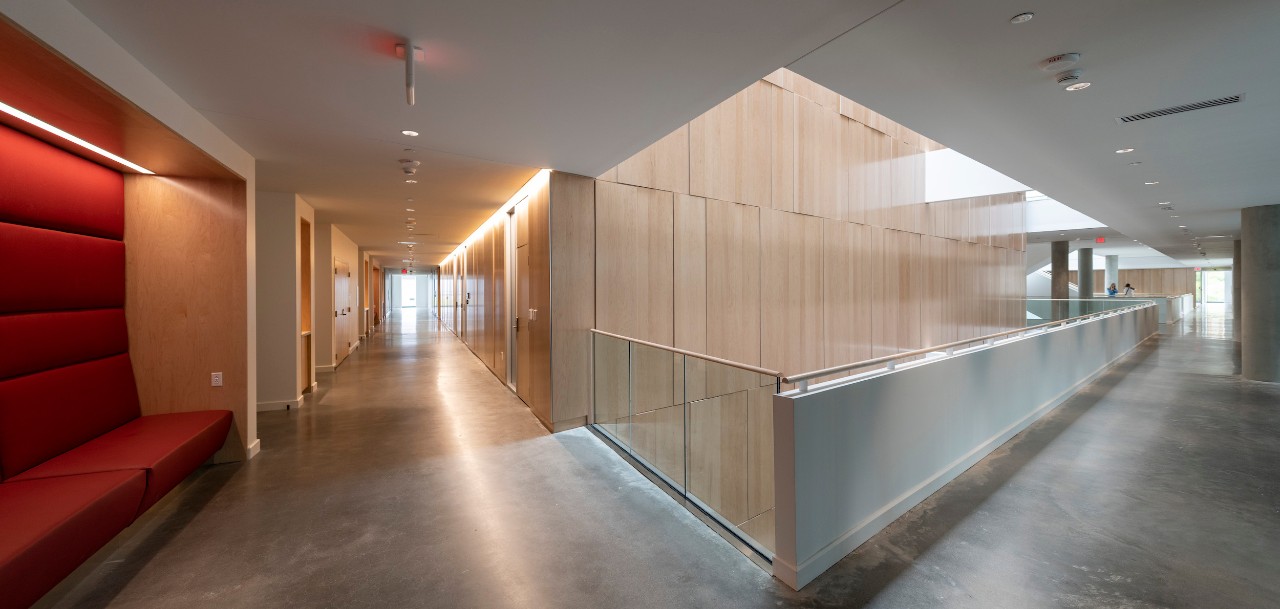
x,y
525,191
23,116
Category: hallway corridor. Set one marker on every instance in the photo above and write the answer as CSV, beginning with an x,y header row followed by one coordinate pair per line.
x,y
413,478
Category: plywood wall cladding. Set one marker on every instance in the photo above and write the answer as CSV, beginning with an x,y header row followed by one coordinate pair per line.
x,y
803,239
1167,282
187,288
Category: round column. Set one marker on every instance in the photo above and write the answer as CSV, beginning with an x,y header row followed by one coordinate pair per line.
x,y
1260,293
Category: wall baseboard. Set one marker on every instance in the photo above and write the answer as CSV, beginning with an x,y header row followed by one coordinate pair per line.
x,y
323,368
280,405
254,448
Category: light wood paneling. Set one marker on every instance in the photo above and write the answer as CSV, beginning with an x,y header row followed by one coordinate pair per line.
x,y
783,163
759,451
718,471
817,149
872,175
730,149
663,165
634,262
907,191
733,281
791,291
499,318
185,296
847,292
691,292
573,225
540,300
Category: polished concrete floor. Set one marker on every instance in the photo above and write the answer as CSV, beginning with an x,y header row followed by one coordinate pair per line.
x,y
415,479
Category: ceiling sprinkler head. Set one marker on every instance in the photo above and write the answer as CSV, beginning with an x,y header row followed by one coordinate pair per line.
x,y
409,167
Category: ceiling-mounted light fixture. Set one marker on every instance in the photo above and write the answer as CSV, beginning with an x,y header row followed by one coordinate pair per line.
x,y
31,120
1150,183
409,59
410,133
410,181
1021,18
1124,151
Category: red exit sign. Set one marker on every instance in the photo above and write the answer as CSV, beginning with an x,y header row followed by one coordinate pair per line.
x,y
1100,240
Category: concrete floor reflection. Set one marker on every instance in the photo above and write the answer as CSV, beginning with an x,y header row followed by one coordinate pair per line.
x,y
413,478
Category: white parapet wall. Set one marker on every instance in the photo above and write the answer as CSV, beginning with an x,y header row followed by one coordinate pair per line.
x,y
853,455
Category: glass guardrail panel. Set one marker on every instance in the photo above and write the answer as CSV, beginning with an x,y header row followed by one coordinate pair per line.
x,y
658,411
1043,310
612,388
730,447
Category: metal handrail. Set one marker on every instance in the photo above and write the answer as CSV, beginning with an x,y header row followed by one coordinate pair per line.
x,y
710,358
802,380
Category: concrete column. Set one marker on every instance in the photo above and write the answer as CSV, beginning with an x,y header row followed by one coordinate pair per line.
x,y
1235,288
1260,293
1111,274
1084,268
1058,280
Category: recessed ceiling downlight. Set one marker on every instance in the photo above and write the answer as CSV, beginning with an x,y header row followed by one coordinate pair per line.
x,y
1021,18
1124,150
1079,86
410,133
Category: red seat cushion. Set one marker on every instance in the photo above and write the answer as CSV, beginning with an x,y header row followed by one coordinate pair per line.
x,y
48,527
167,446
45,414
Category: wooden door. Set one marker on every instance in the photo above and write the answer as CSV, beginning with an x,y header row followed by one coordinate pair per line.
x,y
341,310
524,342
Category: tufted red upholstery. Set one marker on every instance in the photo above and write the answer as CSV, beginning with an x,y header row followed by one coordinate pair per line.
x,y
50,526
96,283
61,338
77,461
51,188
45,414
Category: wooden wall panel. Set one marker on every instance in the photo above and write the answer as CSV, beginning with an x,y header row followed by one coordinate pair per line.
x,y
817,149
783,162
730,148
846,292
907,190
634,262
791,291
733,281
872,175
500,308
663,165
690,293
186,300
540,300
573,247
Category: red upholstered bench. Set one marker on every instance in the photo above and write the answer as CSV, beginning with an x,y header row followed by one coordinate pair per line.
x,y
78,461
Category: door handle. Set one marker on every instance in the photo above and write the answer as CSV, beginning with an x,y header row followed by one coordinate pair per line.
x,y
517,326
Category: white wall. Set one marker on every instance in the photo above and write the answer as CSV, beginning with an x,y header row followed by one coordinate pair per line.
x,y
277,306
853,455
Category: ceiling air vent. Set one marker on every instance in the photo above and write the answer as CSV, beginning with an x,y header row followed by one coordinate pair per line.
x,y
1200,105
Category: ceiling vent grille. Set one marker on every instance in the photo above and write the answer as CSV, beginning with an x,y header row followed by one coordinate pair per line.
x,y
1200,105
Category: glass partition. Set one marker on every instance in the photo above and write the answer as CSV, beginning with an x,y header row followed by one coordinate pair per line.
x,y
1044,310
703,427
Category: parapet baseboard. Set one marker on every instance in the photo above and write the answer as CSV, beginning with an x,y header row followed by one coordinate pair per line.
x,y
281,405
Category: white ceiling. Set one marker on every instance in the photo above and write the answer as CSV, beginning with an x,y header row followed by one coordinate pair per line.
x,y
961,74
314,92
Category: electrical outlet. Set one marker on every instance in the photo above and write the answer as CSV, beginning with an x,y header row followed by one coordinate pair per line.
x,y
215,380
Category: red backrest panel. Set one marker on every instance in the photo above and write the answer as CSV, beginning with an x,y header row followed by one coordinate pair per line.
x,y
52,340
52,188
56,271
65,376
45,414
